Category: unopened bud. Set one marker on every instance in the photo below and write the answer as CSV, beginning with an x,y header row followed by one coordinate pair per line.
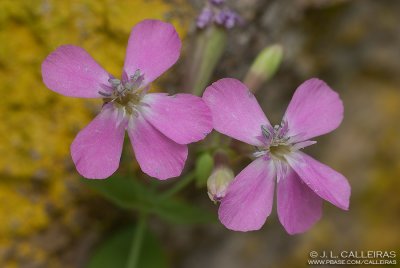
x,y
264,66
218,183
209,46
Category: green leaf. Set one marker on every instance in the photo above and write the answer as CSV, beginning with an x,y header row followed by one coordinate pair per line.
x,y
124,192
178,212
204,167
128,193
114,251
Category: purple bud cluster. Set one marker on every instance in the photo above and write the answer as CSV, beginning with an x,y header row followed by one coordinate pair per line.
x,y
227,18
205,17
217,2
216,12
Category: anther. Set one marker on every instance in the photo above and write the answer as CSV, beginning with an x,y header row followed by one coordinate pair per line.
x,y
114,82
104,94
266,133
136,75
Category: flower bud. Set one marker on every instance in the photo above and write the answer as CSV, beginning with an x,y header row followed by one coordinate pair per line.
x,y
264,66
218,183
209,46
203,169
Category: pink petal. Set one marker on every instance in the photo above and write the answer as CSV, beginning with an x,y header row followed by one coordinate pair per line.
x,y
153,47
71,71
249,198
157,155
183,118
315,109
96,150
298,206
235,110
324,181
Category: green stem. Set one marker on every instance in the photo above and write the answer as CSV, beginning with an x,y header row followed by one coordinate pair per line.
x,y
137,241
182,183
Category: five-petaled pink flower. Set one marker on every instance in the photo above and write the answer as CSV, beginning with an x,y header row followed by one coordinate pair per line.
x,y
302,182
159,126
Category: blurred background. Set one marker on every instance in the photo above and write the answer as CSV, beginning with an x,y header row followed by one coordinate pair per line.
x,y
50,218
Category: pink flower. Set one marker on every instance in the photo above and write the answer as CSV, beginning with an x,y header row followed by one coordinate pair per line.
x,y
302,182
159,126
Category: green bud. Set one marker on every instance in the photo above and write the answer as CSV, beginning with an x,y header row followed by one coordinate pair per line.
x,y
209,45
218,183
264,66
203,169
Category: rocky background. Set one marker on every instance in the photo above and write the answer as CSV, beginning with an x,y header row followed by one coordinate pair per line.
x,y
49,218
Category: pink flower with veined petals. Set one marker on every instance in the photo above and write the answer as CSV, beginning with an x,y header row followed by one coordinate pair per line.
x,y
159,126
302,182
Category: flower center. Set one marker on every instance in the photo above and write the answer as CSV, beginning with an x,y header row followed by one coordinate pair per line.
x,y
126,94
277,143
279,151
